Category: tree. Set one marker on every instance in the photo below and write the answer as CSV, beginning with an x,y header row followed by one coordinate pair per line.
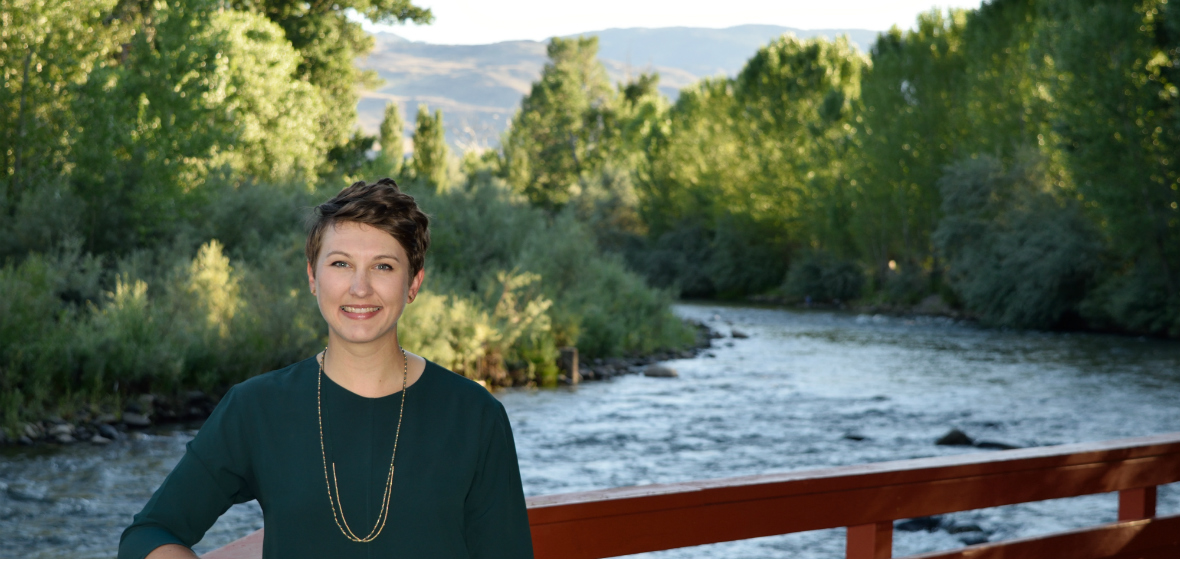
x,y
430,149
1018,253
47,49
328,43
1117,112
561,128
911,118
392,133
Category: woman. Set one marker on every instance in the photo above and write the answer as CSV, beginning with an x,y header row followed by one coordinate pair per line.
x,y
317,442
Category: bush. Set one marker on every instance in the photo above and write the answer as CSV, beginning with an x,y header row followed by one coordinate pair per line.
x,y
1016,254
823,278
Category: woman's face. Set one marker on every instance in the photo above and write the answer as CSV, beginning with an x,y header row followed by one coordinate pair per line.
x,y
362,282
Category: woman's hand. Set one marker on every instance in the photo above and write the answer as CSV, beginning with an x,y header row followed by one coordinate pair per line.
x,y
172,551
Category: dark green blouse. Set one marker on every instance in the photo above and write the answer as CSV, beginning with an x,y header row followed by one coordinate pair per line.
x,y
456,487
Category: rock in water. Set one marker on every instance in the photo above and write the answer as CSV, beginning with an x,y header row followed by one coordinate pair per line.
x,y
97,439
994,445
955,437
134,419
658,371
922,523
109,432
737,334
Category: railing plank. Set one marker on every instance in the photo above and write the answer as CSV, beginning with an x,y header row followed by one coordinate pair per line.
x,y
1158,538
870,541
1137,504
612,522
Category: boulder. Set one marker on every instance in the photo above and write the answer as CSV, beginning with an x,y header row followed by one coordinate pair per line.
x,y
97,439
61,429
972,538
955,437
133,419
920,524
660,371
963,528
738,334
108,432
994,445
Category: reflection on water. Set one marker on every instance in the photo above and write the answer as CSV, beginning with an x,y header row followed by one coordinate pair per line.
x,y
787,398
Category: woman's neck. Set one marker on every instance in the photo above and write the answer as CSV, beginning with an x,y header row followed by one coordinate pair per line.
x,y
373,369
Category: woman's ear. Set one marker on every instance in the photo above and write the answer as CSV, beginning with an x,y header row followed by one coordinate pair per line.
x,y
310,277
416,284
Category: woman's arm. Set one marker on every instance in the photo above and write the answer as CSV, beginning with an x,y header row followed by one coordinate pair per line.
x,y
172,551
212,475
496,520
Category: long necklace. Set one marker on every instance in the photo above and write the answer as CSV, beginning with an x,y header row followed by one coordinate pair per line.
x,y
334,498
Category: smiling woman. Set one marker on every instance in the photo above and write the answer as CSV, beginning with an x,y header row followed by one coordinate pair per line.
x,y
317,442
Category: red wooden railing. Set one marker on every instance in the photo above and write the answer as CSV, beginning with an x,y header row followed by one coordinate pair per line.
x,y
867,499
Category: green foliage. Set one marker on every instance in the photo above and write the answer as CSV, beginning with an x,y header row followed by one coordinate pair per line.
x,y
562,126
1015,253
430,149
328,42
1118,111
392,137
819,277
910,115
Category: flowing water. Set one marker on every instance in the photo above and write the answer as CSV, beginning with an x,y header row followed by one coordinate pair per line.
x,y
789,397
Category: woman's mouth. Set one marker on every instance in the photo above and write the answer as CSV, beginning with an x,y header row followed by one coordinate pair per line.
x,y
360,312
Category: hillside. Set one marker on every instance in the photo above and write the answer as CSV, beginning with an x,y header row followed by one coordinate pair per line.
x,y
479,87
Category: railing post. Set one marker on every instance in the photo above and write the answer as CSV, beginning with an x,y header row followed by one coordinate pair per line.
x,y
870,541
1137,504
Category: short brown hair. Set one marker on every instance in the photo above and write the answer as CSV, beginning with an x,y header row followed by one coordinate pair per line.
x,y
380,205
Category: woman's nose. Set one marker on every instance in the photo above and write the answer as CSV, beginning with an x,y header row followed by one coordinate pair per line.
x,y
360,284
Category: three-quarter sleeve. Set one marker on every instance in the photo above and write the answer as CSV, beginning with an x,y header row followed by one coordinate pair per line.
x,y
213,475
496,522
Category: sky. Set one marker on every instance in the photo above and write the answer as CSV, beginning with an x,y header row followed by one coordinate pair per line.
x,y
474,22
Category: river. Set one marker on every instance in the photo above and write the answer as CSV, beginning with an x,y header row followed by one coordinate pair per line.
x,y
804,390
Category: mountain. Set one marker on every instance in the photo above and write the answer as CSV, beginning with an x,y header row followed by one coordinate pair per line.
x,y
479,87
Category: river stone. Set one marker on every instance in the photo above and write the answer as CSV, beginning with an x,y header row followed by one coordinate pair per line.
x,y
963,528
106,419
920,524
32,431
972,538
659,371
739,334
955,437
65,439
133,419
62,429
107,431
99,439
994,445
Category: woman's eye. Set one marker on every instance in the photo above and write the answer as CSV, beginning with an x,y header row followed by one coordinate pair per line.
x,y
339,264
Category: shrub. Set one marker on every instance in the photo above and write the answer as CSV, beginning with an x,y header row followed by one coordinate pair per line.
x,y
823,278
1016,254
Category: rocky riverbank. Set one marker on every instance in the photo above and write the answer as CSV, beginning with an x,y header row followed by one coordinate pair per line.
x,y
149,412
146,412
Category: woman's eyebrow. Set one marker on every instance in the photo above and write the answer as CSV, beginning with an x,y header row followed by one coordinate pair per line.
x,y
382,256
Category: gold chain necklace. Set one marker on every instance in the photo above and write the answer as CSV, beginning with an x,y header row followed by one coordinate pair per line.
x,y
334,500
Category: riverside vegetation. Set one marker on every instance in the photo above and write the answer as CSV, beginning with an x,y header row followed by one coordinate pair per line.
x,y
1016,162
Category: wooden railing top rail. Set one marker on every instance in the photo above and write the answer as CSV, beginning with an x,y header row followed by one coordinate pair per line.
x,y
610,522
